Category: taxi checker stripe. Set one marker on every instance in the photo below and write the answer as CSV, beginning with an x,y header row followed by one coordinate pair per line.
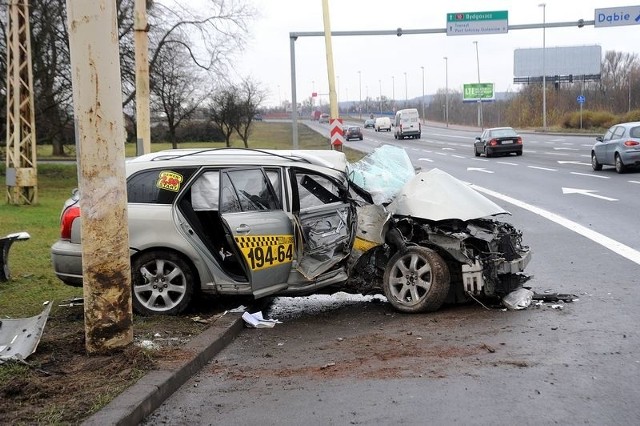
x,y
258,241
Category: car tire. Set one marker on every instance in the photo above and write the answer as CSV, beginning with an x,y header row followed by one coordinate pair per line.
x,y
162,283
486,152
416,280
475,151
518,152
361,137
595,165
619,164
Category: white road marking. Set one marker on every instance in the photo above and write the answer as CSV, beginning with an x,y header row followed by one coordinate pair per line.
x,y
441,153
458,156
565,149
588,192
542,168
590,175
557,140
453,136
449,149
508,164
573,162
478,169
634,181
609,243
425,159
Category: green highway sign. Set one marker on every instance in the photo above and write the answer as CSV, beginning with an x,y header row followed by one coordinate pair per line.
x,y
468,23
473,92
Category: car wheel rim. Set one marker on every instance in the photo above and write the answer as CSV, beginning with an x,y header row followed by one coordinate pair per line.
x,y
410,279
164,285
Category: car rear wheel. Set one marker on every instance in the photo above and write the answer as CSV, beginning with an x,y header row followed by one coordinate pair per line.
x,y
475,151
595,165
487,153
416,280
162,283
619,164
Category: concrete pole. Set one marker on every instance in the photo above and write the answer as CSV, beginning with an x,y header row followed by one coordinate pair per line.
x,y
334,121
100,136
544,70
143,125
446,89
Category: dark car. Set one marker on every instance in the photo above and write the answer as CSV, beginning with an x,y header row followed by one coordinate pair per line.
x,y
353,132
619,147
498,140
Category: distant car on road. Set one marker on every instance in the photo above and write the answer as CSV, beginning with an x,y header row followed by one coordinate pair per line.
x,y
619,147
498,140
382,123
324,118
369,122
353,132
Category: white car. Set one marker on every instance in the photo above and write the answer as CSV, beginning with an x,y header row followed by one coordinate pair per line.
x,y
382,123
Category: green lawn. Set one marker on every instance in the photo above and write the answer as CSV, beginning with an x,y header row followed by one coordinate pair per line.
x,y
32,279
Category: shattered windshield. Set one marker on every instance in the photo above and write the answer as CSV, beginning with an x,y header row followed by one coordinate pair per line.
x,y
382,173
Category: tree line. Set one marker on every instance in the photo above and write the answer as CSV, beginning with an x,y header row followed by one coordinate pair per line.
x,y
190,55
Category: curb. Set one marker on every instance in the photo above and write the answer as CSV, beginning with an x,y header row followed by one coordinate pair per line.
x,y
148,393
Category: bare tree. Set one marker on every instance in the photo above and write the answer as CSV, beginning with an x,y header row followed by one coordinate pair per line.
x,y
176,89
225,111
250,97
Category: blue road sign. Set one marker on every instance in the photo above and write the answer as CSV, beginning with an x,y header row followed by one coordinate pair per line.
x,y
580,99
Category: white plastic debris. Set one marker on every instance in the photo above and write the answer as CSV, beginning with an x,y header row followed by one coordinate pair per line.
x,y
256,320
518,299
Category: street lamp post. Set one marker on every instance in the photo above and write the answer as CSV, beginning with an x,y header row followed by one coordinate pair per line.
x,y
422,94
360,85
544,70
480,124
393,91
338,93
406,95
380,87
446,89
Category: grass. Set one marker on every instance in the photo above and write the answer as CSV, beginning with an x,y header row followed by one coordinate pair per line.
x,y
32,279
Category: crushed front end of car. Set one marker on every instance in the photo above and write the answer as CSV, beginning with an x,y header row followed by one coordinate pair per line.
x,y
427,238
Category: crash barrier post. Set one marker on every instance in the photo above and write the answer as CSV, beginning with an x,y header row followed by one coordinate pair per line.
x,y
5,245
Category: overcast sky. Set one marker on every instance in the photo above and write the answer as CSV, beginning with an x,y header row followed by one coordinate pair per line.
x,y
384,60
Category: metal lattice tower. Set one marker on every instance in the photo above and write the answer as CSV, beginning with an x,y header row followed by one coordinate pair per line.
x,y
22,174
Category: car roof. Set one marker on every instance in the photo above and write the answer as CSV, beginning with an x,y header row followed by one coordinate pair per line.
x,y
320,160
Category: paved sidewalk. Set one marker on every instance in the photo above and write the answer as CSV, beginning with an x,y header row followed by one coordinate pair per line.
x,y
141,399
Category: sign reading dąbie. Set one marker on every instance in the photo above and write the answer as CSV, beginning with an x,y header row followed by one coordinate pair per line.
x,y
468,23
617,16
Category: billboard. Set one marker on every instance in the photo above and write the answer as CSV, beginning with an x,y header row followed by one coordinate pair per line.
x,y
473,92
572,60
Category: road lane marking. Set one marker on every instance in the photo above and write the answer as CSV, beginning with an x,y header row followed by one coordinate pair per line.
x,y
608,243
478,169
425,159
542,168
458,156
588,192
590,175
559,148
574,162
507,163
634,181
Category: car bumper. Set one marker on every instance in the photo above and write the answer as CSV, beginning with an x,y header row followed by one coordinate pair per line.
x,y
66,258
504,149
630,157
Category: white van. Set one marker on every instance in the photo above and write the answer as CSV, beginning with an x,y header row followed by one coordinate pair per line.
x,y
382,123
407,124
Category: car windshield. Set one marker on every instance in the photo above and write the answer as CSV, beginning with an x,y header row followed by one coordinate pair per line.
x,y
382,173
503,133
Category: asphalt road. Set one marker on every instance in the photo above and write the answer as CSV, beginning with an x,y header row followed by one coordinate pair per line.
x,y
345,360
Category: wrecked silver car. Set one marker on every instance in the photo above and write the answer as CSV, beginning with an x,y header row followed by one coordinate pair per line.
x,y
292,223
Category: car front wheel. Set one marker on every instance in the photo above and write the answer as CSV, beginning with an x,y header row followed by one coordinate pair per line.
x,y
595,165
162,283
416,280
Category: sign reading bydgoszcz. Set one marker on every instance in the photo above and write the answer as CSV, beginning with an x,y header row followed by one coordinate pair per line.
x,y
473,92
468,23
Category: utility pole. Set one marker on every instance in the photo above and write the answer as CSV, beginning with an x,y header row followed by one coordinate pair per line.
x,y
106,269
422,94
22,172
480,121
544,70
143,115
446,89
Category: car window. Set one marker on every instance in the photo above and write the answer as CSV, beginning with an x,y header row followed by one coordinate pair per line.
x,y
315,190
609,134
157,186
205,192
618,132
246,190
634,132
502,133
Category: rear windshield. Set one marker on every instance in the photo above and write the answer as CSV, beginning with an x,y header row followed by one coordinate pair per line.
x,y
503,133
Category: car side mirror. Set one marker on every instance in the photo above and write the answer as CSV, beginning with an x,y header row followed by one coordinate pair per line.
x,y
599,138
477,138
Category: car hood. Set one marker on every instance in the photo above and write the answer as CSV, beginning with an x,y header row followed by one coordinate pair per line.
x,y
388,176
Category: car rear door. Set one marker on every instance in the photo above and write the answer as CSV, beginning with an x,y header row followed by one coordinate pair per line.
x,y
612,144
261,232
